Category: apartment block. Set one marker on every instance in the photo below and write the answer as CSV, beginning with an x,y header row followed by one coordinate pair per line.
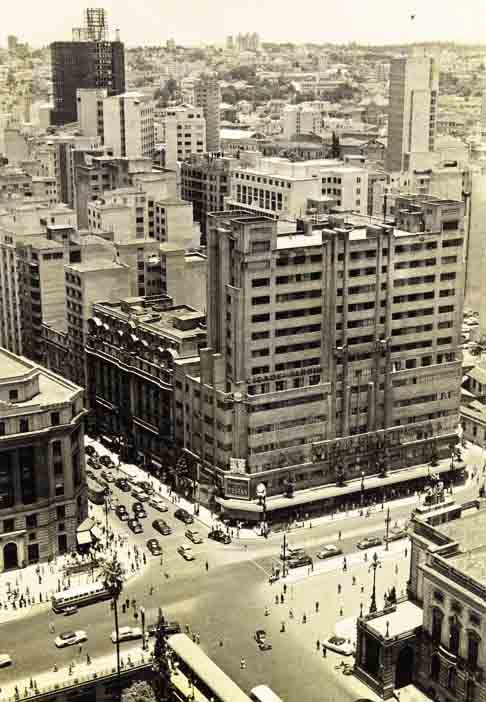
x,y
328,357
183,133
42,482
207,95
129,125
301,119
205,182
90,111
184,276
10,299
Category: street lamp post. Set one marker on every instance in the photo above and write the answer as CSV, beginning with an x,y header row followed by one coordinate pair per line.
x,y
362,488
387,524
375,564
284,554
142,618
261,491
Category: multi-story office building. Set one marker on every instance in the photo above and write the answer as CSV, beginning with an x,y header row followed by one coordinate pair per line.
x,y
89,102
183,133
412,115
328,357
128,123
130,353
301,119
42,487
207,95
89,62
10,299
205,181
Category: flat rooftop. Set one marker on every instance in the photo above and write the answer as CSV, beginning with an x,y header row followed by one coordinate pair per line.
x,y
406,617
12,366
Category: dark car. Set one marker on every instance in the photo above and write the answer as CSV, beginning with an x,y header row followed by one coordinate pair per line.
x,y
145,486
184,516
292,553
169,628
154,547
90,450
93,463
218,535
139,510
107,476
162,527
107,462
300,561
369,542
262,641
121,513
135,526
123,484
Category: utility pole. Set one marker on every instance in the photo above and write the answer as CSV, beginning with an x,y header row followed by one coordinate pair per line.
x,y
142,617
387,523
374,565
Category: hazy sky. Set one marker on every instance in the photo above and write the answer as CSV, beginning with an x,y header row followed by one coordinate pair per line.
x,y
194,21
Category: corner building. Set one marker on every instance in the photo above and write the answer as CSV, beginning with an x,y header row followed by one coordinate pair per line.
x,y
42,493
333,357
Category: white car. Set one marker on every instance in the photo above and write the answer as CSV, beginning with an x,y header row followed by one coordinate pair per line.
x,y
338,644
70,638
5,660
328,552
158,503
127,633
186,553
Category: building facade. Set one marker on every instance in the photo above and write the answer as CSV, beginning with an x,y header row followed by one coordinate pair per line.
x,y
42,484
207,95
183,132
128,123
317,342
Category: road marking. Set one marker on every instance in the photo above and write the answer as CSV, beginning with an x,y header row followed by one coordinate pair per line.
x,y
259,566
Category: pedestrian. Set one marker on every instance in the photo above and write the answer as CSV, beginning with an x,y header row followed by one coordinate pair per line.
x,y
282,627
276,599
281,598
291,613
187,629
221,644
194,638
267,611
339,588
80,649
345,564
406,553
341,612
318,645
285,588
243,664
304,619
396,569
151,592
88,659
206,565
198,639
317,607
324,651
339,535
354,580
362,589
51,628
366,557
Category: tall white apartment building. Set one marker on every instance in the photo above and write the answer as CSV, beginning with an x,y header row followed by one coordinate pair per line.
x,y
207,94
281,188
10,300
414,89
90,111
183,132
301,119
129,125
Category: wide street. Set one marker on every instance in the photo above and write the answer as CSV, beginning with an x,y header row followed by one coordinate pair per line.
x,y
226,603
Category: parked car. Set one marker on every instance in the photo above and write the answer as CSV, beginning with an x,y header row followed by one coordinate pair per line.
x,y
396,534
123,484
162,527
70,638
90,474
158,503
328,551
5,660
139,510
369,542
135,526
70,610
154,547
262,641
93,463
169,628
139,495
194,536
186,553
292,553
339,645
90,450
300,561
145,486
107,476
127,633
218,535
184,516
106,461
121,513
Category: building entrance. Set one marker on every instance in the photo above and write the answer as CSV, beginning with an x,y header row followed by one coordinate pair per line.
x,y
10,556
403,675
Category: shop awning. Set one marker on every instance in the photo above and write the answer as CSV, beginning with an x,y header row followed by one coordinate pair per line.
x,y
86,525
84,538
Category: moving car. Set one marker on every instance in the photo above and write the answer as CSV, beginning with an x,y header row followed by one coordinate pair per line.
x,y
169,628
158,503
139,510
69,610
369,542
292,553
123,484
262,641
194,536
135,526
396,534
184,516
186,553
93,463
70,638
90,450
127,633
121,513
139,495
328,551
5,660
145,486
107,476
218,535
338,644
162,527
154,547
106,461
300,561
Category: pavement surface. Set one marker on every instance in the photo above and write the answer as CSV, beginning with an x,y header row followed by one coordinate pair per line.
x,y
222,596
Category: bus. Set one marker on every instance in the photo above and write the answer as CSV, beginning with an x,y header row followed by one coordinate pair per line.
x,y
96,492
262,693
79,596
210,681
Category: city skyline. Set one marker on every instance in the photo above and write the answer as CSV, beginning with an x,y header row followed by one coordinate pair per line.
x,y
375,22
